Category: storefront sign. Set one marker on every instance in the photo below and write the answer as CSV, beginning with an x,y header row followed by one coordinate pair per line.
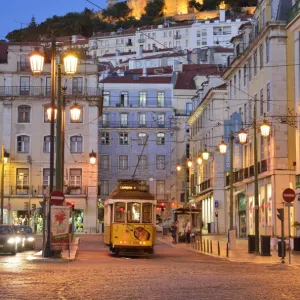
x,y
59,225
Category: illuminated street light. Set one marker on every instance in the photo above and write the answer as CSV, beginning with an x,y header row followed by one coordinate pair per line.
x,y
36,62
265,129
70,64
242,136
199,160
189,163
205,154
75,112
178,167
222,147
49,112
93,157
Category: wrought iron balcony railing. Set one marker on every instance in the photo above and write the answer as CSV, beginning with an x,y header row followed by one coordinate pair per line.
x,y
45,91
131,124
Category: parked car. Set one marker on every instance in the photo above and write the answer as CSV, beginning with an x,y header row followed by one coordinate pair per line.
x,y
8,241
29,236
19,237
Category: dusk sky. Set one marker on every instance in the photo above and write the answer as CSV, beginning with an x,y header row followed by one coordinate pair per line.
x,y
15,11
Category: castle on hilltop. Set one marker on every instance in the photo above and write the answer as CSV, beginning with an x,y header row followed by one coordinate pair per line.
x,y
172,7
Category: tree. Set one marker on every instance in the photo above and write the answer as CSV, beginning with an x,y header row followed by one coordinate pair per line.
x,y
32,22
155,9
211,4
195,5
119,11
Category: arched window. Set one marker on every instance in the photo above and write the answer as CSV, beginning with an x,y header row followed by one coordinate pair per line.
x,y
160,138
24,114
76,144
142,137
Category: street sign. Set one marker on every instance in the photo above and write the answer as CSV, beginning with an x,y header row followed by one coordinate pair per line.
x,y
216,204
57,198
288,195
288,204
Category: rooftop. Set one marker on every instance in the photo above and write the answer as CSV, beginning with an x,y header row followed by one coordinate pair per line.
x,y
138,80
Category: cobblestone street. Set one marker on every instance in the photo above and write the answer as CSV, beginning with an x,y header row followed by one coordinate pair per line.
x,y
172,273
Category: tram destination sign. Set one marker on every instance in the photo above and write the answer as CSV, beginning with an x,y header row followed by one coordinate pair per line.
x,y
133,187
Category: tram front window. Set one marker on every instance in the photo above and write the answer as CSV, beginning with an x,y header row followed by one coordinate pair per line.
x,y
120,212
133,212
147,213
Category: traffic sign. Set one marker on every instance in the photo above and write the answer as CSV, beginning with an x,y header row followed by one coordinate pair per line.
x,y
57,198
288,195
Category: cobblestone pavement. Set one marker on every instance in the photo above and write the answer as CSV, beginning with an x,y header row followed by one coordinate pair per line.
x,y
172,273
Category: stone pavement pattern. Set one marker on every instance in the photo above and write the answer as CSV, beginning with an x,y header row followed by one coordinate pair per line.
x,y
172,273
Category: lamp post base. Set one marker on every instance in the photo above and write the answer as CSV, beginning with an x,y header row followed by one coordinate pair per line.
x,y
47,252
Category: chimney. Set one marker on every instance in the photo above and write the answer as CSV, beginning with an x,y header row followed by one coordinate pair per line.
x,y
222,15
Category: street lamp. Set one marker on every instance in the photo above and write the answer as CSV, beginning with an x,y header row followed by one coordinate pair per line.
x,y
205,154
54,113
178,167
242,136
93,157
265,129
189,163
222,147
199,160
75,112
4,160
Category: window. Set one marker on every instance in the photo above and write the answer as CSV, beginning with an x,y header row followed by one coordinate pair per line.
x,y
80,118
123,162
160,138
46,177
142,119
250,109
147,213
230,89
104,188
77,86
204,32
268,97
123,138
160,99
143,162
245,75
189,108
245,112
261,102
48,86
22,179
250,68
255,62
160,162
204,42
234,84
24,114
105,120
124,99
198,33
267,50
198,42
142,138
106,98
160,187
76,144
134,215
187,150
165,34
124,119
104,162
143,98
261,56
75,177
24,85
240,75
47,143
161,119
120,210
23,144
104,137
263,17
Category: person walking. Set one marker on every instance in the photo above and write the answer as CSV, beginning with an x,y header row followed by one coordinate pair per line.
x,y
188,232
174,232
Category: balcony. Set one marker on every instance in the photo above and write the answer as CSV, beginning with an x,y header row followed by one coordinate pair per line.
x,y
23,67
151,124
294,11
141,40
177,36
129,44
45,91
205,185
75,190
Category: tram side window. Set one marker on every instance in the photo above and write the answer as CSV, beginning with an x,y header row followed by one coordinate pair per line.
x,y
120,212
147,213
133,212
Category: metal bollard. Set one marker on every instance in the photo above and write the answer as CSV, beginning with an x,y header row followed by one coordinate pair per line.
x,y
219,248
207,246
227,250
211,251
201,245
204,246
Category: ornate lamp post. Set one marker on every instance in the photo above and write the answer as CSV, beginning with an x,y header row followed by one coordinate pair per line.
x,y
54,113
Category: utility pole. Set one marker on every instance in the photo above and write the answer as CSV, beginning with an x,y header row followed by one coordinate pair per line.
x,y
2,184
256,183
231,181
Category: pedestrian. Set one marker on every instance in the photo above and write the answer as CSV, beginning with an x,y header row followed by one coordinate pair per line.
x,y
188,232
174,232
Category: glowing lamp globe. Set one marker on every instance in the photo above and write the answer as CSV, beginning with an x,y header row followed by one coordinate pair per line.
x,y
49,112
205,155
265,129
189,163
242,136
75,112
199,160
70,64
36,62
222,147
178,168
93,157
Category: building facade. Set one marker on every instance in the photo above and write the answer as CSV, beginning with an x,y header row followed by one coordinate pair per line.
x,y
25,133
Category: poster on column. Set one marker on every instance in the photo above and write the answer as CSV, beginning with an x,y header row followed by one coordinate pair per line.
x,y
59,226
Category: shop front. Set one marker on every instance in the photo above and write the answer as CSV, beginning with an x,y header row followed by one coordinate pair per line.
x,y
79,214
242,215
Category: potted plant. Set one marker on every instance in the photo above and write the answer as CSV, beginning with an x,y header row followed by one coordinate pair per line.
x,y
296,238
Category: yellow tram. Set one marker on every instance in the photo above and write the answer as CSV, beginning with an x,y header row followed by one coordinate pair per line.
x,y
129,219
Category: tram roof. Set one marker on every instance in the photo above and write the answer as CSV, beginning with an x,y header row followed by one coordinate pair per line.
x,y
130,194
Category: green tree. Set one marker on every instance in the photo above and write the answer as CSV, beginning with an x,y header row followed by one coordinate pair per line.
x,y
195,5
211,4
32,22
119,11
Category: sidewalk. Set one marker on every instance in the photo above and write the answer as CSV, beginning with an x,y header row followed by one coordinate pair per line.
x,y
216,245
66,255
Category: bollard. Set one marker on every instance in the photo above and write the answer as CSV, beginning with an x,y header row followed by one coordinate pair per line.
x,y
201,245
207,246
211,251
204,246
218,248
227,250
